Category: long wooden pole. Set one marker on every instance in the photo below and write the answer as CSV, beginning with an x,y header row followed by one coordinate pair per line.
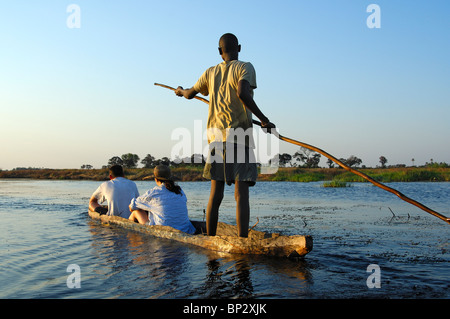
x,y
348,168
173,89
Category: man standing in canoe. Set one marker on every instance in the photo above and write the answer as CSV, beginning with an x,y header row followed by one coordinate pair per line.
x,y
118,192
231,159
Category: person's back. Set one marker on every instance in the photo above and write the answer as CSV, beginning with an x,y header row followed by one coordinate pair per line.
x,y
165,204
226,109
117,192
165,208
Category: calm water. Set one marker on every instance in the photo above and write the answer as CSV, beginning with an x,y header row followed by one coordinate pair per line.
x,y
45,229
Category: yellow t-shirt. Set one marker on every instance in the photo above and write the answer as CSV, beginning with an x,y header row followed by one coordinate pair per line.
x,y
226,110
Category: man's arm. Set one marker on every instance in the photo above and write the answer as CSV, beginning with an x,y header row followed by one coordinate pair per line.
x,y
96,207
245,95
93,203
187,93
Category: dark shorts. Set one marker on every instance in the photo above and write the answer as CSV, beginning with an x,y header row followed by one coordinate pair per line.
x,y
229,162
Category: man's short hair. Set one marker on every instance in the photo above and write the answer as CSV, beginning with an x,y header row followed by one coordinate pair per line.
x,y
228,43
116,171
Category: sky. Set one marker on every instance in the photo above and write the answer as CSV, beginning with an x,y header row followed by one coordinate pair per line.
x,y
77,85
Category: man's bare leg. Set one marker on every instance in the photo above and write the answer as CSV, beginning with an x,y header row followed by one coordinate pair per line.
x,y
212,210
241,194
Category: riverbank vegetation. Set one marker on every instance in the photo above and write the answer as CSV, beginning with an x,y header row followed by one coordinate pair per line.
x,y
430,173
303,166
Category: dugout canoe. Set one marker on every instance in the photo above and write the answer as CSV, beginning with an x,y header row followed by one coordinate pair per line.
x,y
226,239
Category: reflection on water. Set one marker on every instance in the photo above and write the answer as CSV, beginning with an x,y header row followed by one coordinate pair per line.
x,y
159,268
45,228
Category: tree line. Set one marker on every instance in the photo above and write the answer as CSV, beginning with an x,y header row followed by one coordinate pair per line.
x,y
309,159
130,160
301,158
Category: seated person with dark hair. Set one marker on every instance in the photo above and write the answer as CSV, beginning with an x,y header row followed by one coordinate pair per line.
x,y
118,192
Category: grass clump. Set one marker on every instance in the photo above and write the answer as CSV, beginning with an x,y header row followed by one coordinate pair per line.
x,y
336,183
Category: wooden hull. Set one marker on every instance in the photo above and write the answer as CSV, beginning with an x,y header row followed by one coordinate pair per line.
x,y
226,240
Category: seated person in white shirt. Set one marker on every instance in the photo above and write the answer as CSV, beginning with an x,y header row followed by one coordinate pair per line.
x,y
165,204
118,192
